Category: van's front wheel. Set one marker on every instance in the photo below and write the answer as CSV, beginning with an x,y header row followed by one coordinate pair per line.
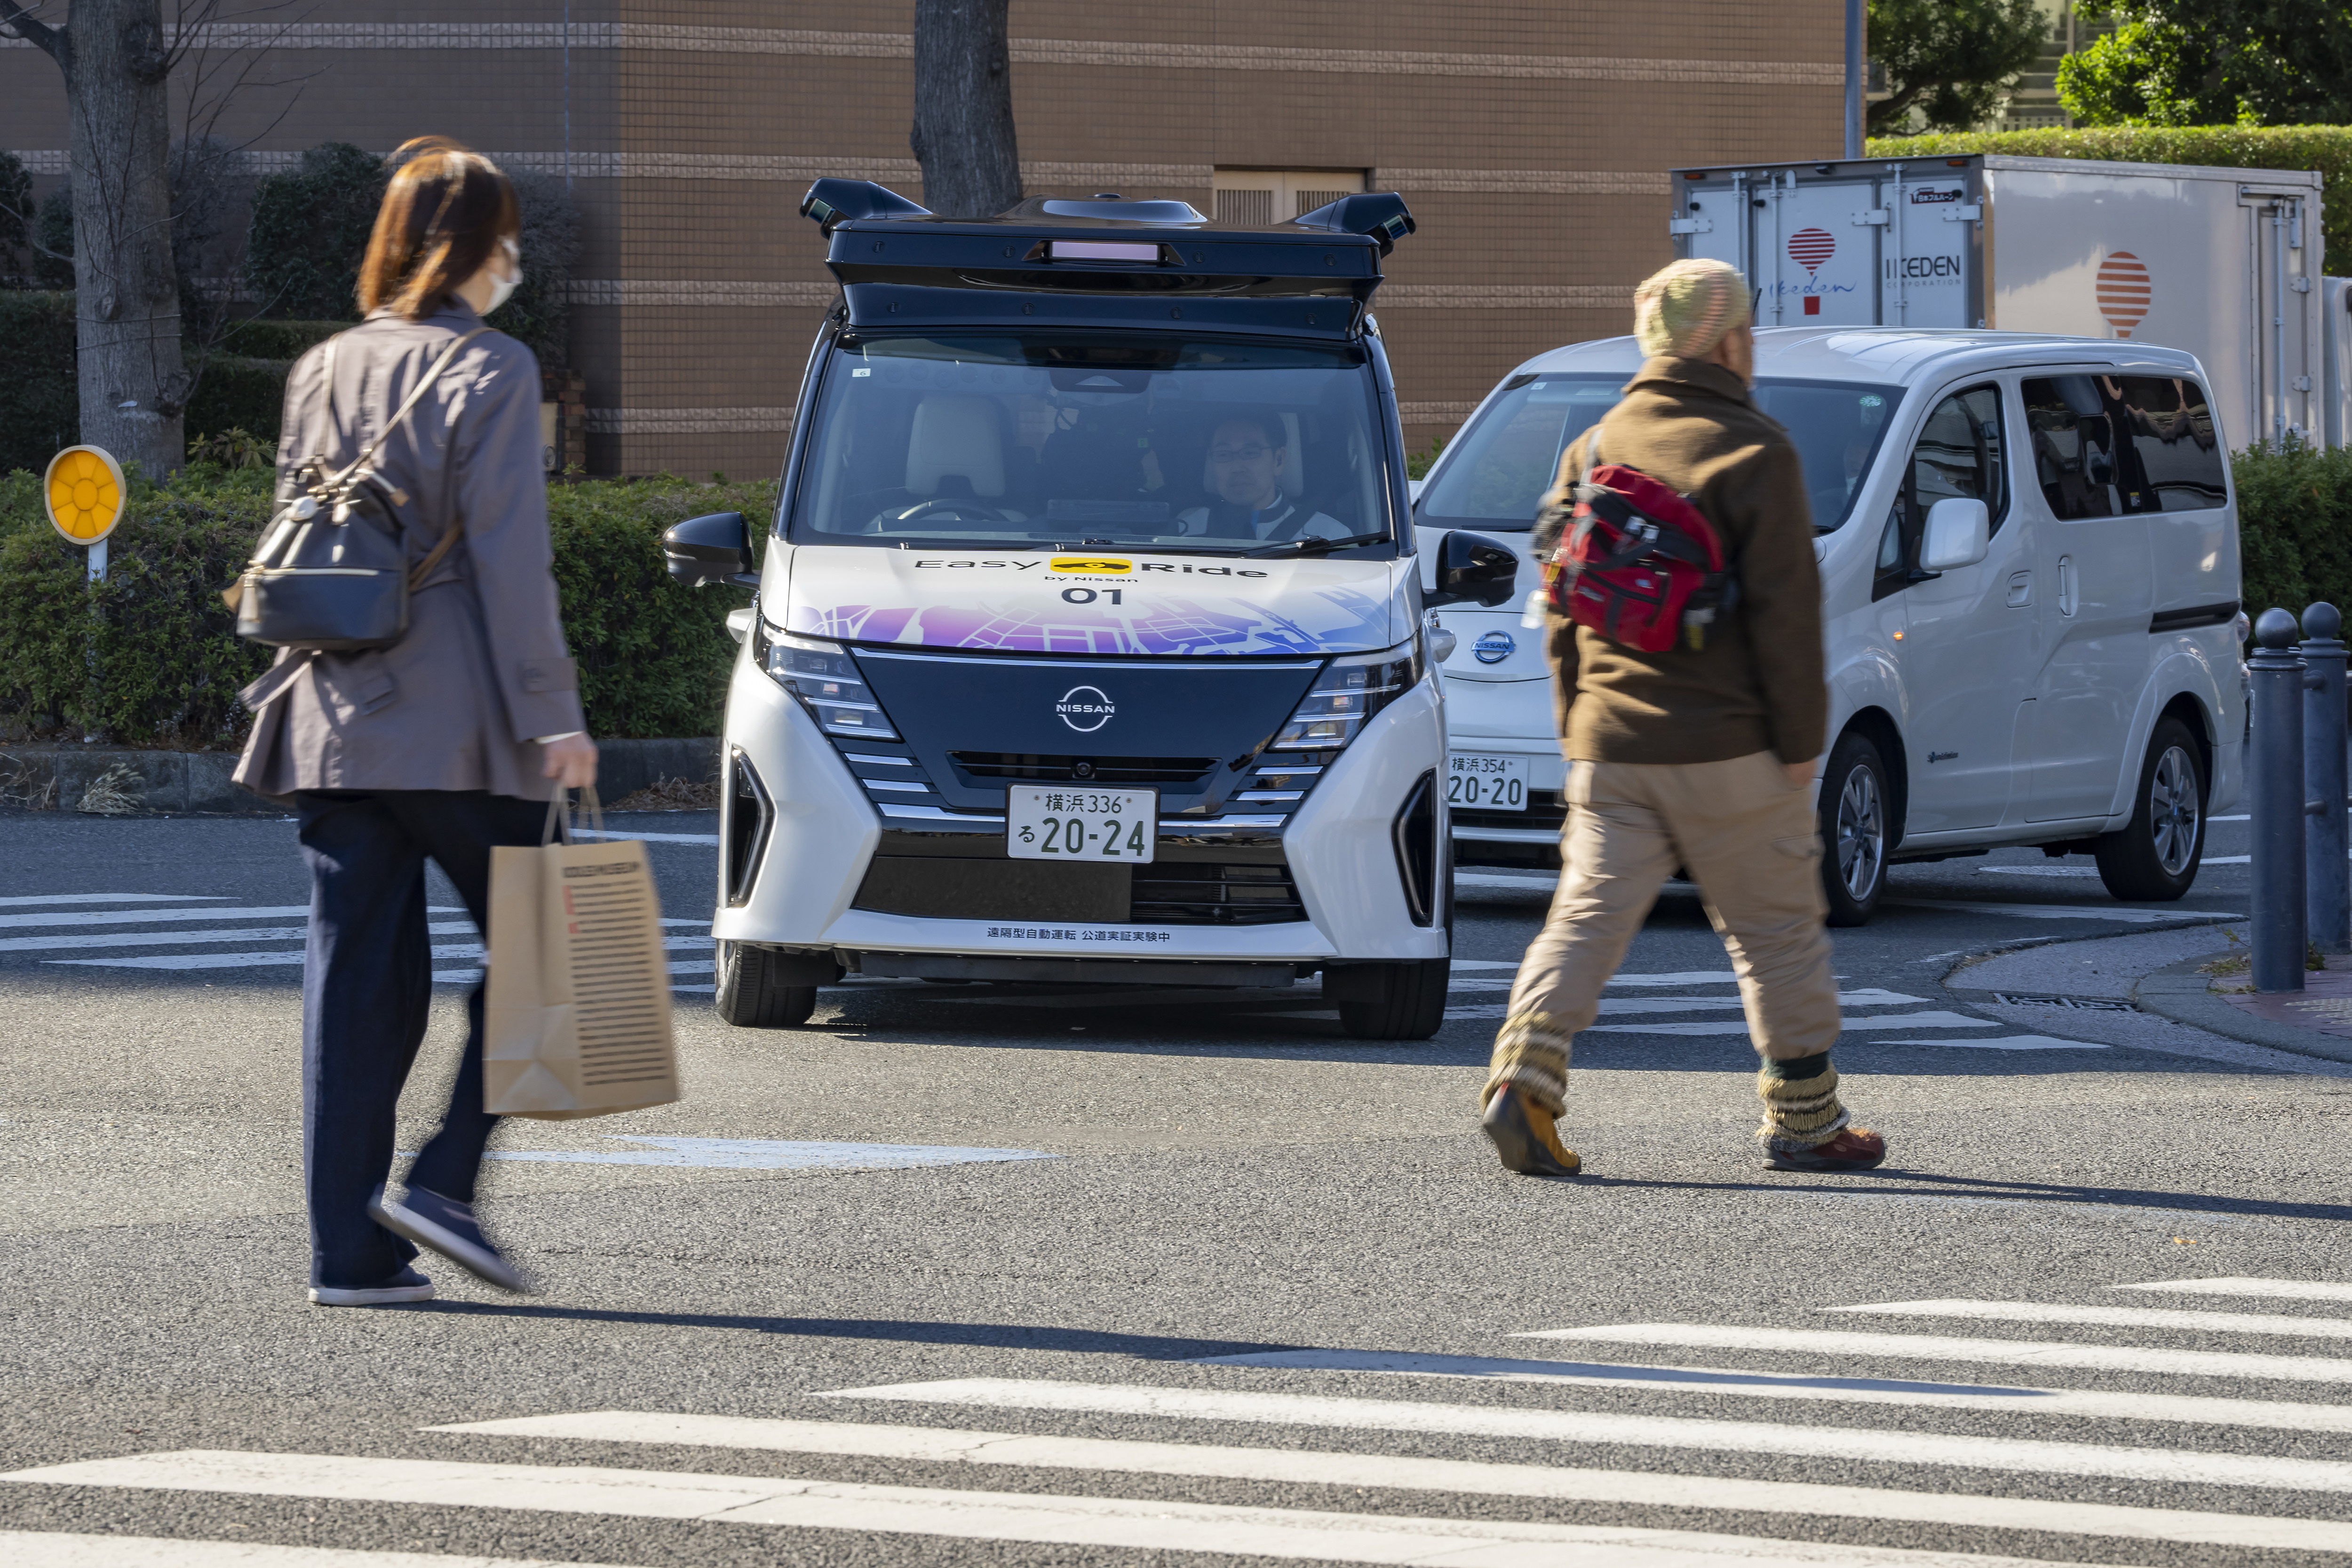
x,y
1390,1001
748,995
1855,817
2154,858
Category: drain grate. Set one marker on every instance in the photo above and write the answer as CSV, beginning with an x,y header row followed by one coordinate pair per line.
x,y
2080,1003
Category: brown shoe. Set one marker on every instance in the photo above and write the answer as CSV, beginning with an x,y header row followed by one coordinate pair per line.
x,y
1855,1148
1523,1137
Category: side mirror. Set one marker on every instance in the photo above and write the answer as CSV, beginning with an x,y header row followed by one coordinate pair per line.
x,y
1472,566
1959,533
713,549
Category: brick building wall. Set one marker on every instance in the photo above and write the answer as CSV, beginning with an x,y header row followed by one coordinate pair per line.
x,y
1530,140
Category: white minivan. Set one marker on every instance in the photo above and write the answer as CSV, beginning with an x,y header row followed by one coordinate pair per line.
x,y
2029,551
1088,645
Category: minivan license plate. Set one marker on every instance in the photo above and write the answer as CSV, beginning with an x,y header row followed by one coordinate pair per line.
x,y
1488,783
1050,822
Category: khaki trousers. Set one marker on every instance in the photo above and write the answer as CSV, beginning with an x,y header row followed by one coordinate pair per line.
x,y
1746,838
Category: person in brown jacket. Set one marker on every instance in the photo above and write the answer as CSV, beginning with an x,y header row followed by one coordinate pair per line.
x,y
1698,758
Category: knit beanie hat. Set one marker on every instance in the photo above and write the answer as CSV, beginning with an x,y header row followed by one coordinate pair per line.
x,y
1686,308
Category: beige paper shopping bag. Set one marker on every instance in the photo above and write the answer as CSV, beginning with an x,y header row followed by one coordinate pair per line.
x,y
577,1019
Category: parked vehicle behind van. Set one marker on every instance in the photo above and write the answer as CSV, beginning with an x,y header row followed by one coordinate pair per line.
x,y
2028,550
1088,645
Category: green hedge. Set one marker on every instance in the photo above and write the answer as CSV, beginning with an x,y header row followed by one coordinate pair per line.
x,y
2295,517
2326,148
653,656
39,408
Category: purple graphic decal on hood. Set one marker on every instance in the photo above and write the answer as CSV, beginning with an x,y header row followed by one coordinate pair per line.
x,y
1329,620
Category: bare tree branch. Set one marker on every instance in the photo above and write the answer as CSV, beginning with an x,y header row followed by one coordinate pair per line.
x,y
16,21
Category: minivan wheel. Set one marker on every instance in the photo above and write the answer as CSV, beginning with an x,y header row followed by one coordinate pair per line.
x,y
1855,812
1391,1001
748,995
2154,860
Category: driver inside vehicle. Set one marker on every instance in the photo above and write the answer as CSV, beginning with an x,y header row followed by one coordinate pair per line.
x,y
1246,457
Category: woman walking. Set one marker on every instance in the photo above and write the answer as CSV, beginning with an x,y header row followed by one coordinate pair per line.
x,y
447,743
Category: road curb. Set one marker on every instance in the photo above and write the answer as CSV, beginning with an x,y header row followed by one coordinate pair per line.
x,y
197,783
2180,993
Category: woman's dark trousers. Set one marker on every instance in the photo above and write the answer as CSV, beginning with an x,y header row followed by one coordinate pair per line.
x,y
367,989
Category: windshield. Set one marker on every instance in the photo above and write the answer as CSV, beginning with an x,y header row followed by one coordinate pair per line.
x,y
1063,440
1497,471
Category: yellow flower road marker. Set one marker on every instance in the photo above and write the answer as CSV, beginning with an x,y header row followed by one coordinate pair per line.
x,y
84,488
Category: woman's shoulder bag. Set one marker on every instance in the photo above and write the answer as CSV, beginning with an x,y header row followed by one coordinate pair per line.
x,y
331,574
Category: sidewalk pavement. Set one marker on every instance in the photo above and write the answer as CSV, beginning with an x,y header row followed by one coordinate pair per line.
x,y
2147,990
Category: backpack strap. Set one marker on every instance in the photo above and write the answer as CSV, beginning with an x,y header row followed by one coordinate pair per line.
x,y
408,404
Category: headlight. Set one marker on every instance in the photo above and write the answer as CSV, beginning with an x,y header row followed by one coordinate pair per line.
x,y
1349,691
826,680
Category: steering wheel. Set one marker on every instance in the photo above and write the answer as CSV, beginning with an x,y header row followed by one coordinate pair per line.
x,y
964,509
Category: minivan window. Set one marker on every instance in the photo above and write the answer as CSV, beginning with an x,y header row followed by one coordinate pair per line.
x,y
2105,445
1046,440
1509,456
1957,457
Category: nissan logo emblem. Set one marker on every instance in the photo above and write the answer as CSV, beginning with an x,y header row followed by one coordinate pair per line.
x,y
1085,709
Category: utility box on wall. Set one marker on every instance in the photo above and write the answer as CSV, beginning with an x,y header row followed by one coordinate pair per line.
x,y
563,420
2224,263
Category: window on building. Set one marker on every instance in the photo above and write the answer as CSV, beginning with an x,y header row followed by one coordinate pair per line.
x,y
1278,195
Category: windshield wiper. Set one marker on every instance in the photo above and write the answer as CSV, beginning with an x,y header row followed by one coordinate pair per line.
x,y
1318,543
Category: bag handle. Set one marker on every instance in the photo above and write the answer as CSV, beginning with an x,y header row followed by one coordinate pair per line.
x,y
559,816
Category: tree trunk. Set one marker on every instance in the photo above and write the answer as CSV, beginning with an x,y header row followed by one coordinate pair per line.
x,y
134,387
964,108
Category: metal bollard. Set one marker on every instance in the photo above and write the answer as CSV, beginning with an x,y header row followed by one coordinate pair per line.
x,y
2327,873
2275,776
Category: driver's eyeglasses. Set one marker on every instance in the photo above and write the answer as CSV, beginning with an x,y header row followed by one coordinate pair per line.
x,y
1238,454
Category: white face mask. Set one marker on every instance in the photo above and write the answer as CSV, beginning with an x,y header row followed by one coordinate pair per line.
x,y
500,288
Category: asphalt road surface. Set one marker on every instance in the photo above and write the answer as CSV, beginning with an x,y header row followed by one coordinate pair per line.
x,y
989,1274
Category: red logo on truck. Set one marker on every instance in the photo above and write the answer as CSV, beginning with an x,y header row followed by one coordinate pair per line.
x,y
1808,247
2124,291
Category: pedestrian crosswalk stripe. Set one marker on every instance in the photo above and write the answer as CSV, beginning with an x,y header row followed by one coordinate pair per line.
x,y
76,940
2116,1316
144,917
2005,1043
58,1549
1934,1020
1932,1347
1149,1525
2172,1466
2065,911
2292,1415
2284,1290
1868,997
21,901
1406,1472
188,959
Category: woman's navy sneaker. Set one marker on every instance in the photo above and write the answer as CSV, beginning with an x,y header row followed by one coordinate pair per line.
x,y
407,1284
449,1227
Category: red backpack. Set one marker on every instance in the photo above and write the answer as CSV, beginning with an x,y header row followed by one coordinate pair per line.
x,y
1637,563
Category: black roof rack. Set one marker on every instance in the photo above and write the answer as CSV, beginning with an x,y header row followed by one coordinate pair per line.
x,y
1105,260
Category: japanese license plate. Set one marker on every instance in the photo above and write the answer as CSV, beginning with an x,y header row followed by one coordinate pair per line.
x,y
1053,822
1486,783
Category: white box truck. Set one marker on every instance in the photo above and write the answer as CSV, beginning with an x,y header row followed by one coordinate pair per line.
x,y
2224,263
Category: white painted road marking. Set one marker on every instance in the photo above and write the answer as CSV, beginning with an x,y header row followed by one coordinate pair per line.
x,y
1938,1020
48,1549
78,940
940,1444
2292,1415
2063,911
1992,1352
2116,1316
711,839
1157,1526
770,1154
2176,1466
2284,1289
21,899
2006,1043
145,917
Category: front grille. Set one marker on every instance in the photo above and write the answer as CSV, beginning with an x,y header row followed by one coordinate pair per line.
x,y
1545,809
1182,773
1179,893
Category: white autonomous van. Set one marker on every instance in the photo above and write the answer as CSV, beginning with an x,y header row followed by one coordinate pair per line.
x,y
2028,550
1088,645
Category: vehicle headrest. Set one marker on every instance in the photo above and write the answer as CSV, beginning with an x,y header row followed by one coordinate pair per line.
x,y
956,437
1294,461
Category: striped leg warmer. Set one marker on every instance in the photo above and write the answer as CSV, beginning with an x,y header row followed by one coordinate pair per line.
x,y
1800,1103
1532,1050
